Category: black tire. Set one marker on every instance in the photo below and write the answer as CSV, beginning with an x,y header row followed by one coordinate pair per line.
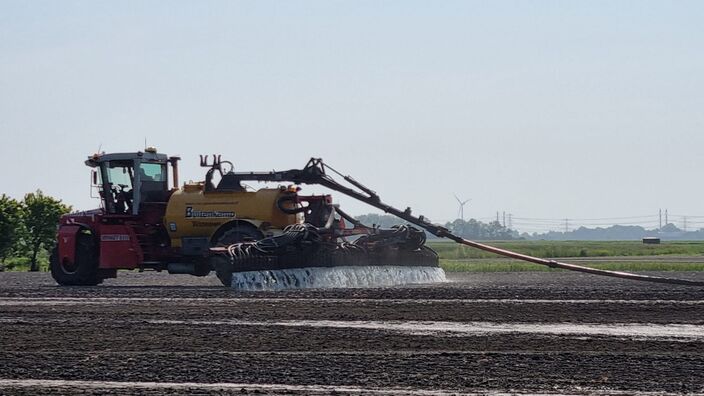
x,y
84,272
236,234
201,268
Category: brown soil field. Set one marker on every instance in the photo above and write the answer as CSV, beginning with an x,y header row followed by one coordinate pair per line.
x,y
479,333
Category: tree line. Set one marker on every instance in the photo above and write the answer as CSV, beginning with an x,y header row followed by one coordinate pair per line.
x,y
470,229
28,228
618,233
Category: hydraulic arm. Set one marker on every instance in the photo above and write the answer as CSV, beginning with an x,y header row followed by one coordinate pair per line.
x,y
315,173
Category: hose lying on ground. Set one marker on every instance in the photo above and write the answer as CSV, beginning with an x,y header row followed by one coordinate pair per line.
x,y
574,267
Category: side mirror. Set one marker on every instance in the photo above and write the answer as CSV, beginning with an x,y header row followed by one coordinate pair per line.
x,y
95,177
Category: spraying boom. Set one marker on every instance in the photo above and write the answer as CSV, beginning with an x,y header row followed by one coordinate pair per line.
x,y
315,173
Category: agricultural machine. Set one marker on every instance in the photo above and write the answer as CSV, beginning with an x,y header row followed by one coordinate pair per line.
x,y
220,225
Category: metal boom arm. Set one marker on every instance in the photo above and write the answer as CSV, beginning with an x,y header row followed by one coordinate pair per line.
x,y
314,173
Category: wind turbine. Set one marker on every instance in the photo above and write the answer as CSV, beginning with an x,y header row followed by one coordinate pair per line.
x,y
460,212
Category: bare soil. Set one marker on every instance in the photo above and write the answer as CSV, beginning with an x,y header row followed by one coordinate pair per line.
x,y
151,333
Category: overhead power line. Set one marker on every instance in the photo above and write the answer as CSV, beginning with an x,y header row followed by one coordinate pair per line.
x,y
589,219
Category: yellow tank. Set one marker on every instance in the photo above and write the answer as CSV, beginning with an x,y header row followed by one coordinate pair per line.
x,y
193,215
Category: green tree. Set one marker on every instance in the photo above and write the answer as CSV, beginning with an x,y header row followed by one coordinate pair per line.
x,y
40,216
10,223
474,229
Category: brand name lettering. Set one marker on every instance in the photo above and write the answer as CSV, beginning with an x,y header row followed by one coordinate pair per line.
x,y
114,237
191,213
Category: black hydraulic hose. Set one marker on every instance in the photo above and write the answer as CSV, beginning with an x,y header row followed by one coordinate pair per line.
x,y
574,267
289,198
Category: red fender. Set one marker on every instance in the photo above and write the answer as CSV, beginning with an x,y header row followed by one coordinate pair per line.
x,y
66,243
119,247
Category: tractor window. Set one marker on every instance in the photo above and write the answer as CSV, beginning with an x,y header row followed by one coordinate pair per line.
x,y
120,174
154,187
152,172
119,186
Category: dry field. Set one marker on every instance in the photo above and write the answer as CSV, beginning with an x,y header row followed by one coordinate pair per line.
x,y
531,332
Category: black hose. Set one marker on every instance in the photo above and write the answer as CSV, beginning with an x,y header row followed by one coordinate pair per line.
x,y
289,198
574,267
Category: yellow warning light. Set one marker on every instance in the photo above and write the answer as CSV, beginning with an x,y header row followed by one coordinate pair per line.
x,y
150,149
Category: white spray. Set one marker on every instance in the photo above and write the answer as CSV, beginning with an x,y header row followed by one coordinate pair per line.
x,y
336,277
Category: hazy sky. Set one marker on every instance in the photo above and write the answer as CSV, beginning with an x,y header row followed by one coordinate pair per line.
x,y
546,109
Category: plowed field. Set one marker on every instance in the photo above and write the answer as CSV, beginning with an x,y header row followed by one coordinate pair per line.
x,y
149,333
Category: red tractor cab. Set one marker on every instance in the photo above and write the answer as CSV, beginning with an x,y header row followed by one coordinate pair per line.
x,y
126,232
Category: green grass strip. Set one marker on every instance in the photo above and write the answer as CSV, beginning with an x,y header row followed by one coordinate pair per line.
x,y
553,249
490,265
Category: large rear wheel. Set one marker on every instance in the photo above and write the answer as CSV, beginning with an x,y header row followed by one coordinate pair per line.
x,y
83,271
236,234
